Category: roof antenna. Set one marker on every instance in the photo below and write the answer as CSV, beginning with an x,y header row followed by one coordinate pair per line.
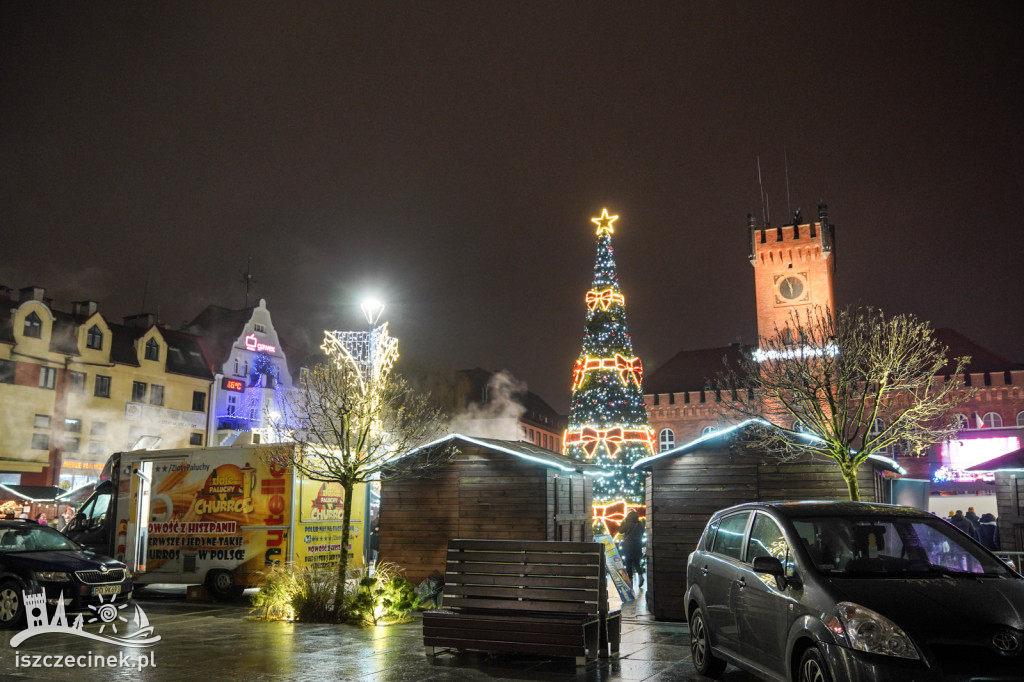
x,y
247,278
785,156
764,200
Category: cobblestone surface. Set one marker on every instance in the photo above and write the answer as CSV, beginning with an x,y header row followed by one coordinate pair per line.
x,y
201,641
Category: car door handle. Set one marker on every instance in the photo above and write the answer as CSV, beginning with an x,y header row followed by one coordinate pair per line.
x,y
742,583
704,571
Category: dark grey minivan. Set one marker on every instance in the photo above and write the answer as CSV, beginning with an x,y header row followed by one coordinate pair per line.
x,y
850,591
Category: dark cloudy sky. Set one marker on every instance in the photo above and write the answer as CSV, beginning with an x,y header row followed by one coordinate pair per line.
x,y
450,155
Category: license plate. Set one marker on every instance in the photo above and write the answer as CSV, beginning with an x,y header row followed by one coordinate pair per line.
x,y
107,589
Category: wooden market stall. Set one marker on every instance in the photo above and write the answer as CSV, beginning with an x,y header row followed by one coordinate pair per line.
x,y
687,484
492,489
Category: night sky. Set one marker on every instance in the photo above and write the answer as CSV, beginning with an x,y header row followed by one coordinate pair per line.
x,y
449,156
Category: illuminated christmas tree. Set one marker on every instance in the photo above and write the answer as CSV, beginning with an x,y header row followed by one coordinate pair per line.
x,y
608,423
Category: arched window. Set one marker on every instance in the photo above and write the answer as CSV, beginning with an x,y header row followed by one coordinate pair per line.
x,y
666,440
94,338
961,422
33,326
1020,419
992,420
799,427
708,429
152,349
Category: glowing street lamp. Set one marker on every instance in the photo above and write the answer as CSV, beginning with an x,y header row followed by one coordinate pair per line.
x,y
372,309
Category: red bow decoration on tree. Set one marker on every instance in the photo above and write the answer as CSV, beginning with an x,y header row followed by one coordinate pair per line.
x,y
629,368
611,438
603,298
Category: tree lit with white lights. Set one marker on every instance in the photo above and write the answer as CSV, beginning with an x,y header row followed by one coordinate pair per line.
x,y
608,422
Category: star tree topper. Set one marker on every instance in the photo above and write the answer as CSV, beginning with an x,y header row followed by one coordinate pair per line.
x,y
604,222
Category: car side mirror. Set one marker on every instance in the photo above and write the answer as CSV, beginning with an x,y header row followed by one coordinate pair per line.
x,y
773,567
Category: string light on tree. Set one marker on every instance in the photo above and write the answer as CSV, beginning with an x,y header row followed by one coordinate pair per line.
x,y
608,422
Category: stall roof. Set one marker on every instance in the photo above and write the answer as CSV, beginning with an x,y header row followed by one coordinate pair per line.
x,y
524,450
32,493
884,462
1008,462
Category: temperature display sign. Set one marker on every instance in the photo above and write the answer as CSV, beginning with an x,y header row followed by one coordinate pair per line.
x,y
233,385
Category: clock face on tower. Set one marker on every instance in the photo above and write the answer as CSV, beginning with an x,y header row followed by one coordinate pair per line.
x,y
791,289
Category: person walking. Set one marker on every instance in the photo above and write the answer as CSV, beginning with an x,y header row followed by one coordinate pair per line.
x,y
632,534
988,532
961,522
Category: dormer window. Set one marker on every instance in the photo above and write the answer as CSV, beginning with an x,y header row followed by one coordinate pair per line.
x,y
33,326
152,350
94,338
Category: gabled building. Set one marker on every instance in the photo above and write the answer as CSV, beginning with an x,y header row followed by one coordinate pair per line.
x,y
249,368
75,387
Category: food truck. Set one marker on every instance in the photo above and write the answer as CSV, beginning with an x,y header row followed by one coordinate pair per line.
x,y
219,516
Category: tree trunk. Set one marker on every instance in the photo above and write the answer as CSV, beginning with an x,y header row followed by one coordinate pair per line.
x,y
346,520
852,485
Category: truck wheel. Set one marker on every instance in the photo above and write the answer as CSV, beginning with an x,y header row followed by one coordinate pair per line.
x,y
221,585
12,607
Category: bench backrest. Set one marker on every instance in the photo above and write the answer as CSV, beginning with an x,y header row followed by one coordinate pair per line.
x,y
553,577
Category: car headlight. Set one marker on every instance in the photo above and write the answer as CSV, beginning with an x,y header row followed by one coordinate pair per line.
x,y
53,576
872,632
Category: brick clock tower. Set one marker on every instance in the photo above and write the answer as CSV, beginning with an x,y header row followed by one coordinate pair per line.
x,y
793,266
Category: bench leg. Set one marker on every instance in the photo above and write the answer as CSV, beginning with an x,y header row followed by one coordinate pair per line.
x,y
581,661
611,633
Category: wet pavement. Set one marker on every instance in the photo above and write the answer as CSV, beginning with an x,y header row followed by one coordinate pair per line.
x,y
205,641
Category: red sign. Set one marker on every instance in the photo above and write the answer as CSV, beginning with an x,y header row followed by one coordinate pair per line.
x,y
233,385
252,343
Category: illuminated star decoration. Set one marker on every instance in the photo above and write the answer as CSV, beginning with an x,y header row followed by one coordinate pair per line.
x,y
604,222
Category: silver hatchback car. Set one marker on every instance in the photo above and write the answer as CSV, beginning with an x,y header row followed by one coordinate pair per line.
x,y
850,591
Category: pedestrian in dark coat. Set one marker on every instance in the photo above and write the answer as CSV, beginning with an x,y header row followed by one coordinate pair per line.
x,y
632,538
961,522
988,532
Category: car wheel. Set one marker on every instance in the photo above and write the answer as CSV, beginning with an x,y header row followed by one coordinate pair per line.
x,y
813,667
700,647
221,585
12,607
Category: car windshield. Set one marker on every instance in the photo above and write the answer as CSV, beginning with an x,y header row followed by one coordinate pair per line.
x,y
33,538
886,547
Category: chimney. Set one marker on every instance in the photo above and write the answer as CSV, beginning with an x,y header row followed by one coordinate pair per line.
x,y
84,308
140,320
30,294
5,293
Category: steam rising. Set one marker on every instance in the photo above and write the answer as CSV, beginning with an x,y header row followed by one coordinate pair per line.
x,y
497,414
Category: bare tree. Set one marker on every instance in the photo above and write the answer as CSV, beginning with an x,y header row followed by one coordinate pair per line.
x,y
847,387
349,430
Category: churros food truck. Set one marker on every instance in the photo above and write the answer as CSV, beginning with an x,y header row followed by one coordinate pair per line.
x,y
219,516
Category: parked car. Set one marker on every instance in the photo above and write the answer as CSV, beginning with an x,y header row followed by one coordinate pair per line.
x,y
34,557
850,591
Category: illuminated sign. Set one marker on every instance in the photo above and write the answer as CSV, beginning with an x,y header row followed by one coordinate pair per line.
x,y
252,343
963,454
233,385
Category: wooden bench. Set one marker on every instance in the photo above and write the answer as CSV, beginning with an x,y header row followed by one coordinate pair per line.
x,y
534,597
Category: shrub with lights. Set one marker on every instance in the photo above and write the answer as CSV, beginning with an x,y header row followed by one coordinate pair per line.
x,y
608,422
